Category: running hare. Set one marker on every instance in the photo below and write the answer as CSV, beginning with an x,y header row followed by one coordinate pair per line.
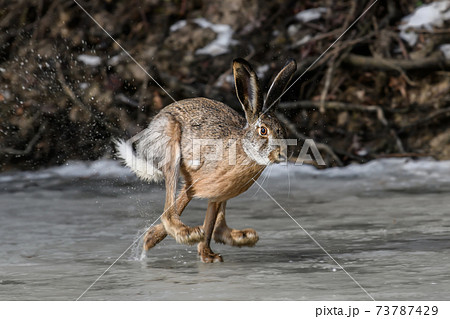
x,y
218,152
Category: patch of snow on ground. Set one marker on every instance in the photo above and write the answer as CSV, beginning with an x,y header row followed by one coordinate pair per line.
x,y
426,17
392,173
445,49
223,41
396,173
178,25
91,60
261,70
310,14
217,47
100,169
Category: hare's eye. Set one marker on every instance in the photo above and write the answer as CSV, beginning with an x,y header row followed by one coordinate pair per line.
x,y
263,131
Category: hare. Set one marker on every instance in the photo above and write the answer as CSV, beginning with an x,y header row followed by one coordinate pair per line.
x,y
167,149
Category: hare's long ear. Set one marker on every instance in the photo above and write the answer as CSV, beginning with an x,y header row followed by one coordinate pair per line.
x,y
247,89
279,84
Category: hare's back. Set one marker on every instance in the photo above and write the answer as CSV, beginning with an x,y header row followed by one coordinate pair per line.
x,y
206,118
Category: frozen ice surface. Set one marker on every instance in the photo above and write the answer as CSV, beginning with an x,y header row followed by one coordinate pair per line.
x,y
386,222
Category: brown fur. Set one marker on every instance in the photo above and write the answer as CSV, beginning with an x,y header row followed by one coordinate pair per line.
x,y
216,180
228,180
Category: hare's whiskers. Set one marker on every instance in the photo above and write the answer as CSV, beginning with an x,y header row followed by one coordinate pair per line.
x,y
266,174
251,180
289,179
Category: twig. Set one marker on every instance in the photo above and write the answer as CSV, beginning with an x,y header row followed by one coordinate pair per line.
x,y
28,148
395,155
46,20
326,86
355,157
433,32
291,126
350,15
320,146
434,61
128,101
337,106
429,118
398,141
318,37
38,19
68,91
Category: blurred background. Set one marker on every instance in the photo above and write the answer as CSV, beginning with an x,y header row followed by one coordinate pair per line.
x,y
67,89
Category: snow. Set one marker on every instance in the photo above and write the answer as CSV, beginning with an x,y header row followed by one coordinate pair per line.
x,y
115,60
389,173
223,41
310,14
100,169
224,78
178,25
427,16
445,49
302,41
409,37
6,94
262,70
91,60
392,173
84,86
218,46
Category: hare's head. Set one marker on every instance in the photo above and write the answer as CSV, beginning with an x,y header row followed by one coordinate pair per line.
x,y
264,139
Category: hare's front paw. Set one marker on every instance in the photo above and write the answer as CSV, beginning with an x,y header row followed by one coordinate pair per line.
x,y
153,236
189,235
245,237
234,237
207,255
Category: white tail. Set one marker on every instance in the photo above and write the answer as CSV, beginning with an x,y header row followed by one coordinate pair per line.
x,y
148,152
143,166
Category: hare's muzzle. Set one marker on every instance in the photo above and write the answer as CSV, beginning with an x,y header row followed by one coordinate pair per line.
x,y
278,156
282,156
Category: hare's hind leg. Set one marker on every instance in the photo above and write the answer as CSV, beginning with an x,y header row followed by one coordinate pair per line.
x,y
174,226
203,248
171,170
157,233
154,236
233,237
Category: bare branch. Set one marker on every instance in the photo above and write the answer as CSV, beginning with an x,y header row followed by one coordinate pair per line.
x,y
434,61
336,106
29,147
320,146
